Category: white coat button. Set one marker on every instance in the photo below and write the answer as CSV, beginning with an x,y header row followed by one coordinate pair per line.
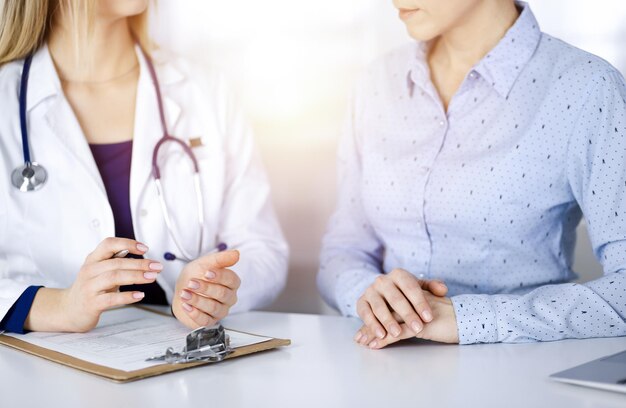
x,y
442,123
95,223
143,212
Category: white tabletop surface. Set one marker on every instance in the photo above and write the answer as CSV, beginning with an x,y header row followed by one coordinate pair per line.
x,y
324,368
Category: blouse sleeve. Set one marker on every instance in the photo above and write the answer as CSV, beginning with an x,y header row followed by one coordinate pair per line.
x,y
596,172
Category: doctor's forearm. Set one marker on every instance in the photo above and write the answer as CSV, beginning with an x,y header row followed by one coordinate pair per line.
x,y
46,312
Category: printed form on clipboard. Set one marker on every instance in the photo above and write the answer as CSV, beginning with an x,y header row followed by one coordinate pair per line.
x,y
122,342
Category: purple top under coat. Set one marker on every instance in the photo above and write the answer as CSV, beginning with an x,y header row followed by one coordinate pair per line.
x,y
114,163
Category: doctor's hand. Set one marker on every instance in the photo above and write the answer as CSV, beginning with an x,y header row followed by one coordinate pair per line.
x,y
96,288
443,327
206,289
400,292
78,308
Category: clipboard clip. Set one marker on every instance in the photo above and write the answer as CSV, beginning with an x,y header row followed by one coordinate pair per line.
x,y
210,344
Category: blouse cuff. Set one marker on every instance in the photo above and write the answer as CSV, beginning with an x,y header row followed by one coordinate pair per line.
x,y
476,319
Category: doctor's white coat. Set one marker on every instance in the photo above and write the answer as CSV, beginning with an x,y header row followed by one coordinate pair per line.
x,y
45,235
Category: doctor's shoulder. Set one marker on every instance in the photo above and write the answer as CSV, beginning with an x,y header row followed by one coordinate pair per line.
x,y
202,88
10,74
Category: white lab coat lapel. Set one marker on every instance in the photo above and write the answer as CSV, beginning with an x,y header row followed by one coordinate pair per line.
x,y
60,117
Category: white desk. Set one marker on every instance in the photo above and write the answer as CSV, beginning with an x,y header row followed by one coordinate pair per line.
x,y
325,368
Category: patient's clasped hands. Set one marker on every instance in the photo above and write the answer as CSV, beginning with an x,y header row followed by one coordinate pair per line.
x,y
399,306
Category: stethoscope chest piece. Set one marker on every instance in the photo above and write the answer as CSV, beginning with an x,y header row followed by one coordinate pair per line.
x,y
29,177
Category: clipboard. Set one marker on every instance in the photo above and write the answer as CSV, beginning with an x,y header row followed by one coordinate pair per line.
x,y
121,376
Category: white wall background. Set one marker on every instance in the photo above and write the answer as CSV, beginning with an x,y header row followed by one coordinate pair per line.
x,y
292,63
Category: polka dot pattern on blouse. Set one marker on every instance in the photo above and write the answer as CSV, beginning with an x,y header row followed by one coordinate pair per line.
x,y
487,195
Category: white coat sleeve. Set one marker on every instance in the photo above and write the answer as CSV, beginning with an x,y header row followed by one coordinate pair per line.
x,y
16,272
13,282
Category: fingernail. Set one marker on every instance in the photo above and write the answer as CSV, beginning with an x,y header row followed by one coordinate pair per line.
x,y
380,333
150,275
142,248
358,336
373,344
416,327
395,331
185,295
363,340
155,266
209,275
427,315
193,285
187,307
138,295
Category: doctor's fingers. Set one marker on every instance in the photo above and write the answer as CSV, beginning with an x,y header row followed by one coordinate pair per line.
x,y
111,246
211,307
109,300
198,317
218,260
120,277
224,277
398,303
118,264
215,291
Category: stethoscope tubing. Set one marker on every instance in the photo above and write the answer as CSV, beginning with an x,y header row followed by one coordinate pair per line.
x,y
34,175
23,104
156,171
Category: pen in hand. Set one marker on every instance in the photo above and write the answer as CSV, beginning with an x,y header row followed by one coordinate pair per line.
x,y
170,256
121,254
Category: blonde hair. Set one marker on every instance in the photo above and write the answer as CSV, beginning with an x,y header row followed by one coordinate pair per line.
x,y
25,26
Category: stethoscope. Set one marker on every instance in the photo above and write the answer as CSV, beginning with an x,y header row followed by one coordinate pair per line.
x,y
31,176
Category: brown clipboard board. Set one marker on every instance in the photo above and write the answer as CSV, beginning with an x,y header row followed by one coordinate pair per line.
x,y
120,376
